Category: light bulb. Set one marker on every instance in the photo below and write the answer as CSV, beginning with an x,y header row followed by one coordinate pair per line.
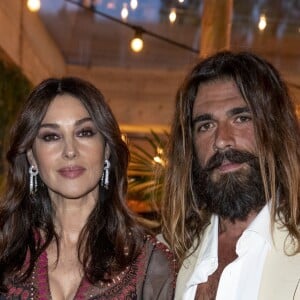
x,y
137,44
34,5
262,22
133,4
172,16
124,12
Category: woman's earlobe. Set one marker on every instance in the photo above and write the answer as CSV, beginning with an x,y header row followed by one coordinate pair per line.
x,y
30,157
107,151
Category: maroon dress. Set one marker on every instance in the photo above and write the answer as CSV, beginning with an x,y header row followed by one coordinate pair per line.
x,y
151,276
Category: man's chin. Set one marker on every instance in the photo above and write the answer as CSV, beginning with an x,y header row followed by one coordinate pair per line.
x,y
234,195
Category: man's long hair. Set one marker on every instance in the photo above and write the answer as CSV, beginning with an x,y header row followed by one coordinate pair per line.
x,y
110,239
278,144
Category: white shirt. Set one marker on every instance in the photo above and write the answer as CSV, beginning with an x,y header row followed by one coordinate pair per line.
x,y
240,280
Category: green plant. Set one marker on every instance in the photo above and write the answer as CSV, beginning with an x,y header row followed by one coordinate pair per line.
x,y
14,87
146,169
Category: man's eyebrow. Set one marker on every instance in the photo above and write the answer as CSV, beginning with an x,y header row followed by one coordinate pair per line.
x,y
230,113
238,110
201,118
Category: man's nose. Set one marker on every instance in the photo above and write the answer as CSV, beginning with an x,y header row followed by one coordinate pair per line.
x,y
224,138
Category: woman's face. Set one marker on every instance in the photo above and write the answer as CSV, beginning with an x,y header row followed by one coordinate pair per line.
x,y
68,151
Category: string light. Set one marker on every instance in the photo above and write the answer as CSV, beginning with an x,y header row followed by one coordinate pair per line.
x,y
133,4
262,24
124,12
111,5
34,5
137,42
172,15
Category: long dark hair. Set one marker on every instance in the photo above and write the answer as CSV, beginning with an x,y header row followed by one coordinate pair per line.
x,y
277,136
111,239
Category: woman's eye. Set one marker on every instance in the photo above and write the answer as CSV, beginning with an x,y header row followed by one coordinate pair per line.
x,y
49,137
86,133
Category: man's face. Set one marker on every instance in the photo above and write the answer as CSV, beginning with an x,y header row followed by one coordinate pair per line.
x,y
222,120
226,173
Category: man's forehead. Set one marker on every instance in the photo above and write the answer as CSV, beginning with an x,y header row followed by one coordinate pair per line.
x,y
221,88
217,95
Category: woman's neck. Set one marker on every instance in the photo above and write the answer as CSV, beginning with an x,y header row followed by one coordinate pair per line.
x,y
71,216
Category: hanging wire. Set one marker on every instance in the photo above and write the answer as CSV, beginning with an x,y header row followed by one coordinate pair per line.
x,y
135,28
143,31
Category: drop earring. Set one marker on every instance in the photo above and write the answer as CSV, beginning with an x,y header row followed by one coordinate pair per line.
x,y
105,174
33,172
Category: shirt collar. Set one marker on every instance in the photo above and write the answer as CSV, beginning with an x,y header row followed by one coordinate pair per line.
x,y
207,257
261,224
211,249
258,231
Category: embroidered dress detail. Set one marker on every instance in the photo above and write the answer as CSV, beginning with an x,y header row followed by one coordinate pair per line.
x,y
127,285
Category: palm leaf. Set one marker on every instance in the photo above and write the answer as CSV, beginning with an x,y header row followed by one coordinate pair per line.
x,y
142,180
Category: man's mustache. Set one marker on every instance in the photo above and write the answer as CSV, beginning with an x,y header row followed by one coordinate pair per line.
x,y
232,155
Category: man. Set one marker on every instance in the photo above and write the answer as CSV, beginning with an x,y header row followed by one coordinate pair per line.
x,y
231,210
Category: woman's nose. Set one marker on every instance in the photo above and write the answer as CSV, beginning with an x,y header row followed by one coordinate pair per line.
x,y
70,150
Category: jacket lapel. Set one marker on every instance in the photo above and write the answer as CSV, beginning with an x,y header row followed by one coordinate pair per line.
x,y
281,273
191,263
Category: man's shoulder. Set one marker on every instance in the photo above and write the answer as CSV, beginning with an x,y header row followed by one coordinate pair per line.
x,y
283,242
281,272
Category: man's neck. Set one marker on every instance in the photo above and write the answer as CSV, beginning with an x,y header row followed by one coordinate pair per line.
x,y
234,229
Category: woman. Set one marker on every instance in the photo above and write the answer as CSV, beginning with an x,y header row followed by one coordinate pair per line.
x,y
65,229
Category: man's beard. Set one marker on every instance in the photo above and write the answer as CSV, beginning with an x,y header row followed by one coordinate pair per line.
x,y
231,195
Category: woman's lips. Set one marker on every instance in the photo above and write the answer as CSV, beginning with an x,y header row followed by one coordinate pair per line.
x,y
71,172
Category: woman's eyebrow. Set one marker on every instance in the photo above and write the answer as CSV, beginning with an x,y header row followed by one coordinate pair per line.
x,y
56,126
86,119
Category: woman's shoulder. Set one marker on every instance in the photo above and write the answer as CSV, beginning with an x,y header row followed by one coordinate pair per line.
x,y
161,269
157,244
159,251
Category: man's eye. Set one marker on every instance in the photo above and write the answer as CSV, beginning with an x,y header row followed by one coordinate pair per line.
x,y
205,127
243,119
49,137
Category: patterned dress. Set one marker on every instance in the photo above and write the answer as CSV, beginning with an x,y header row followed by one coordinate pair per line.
x,y
151,276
